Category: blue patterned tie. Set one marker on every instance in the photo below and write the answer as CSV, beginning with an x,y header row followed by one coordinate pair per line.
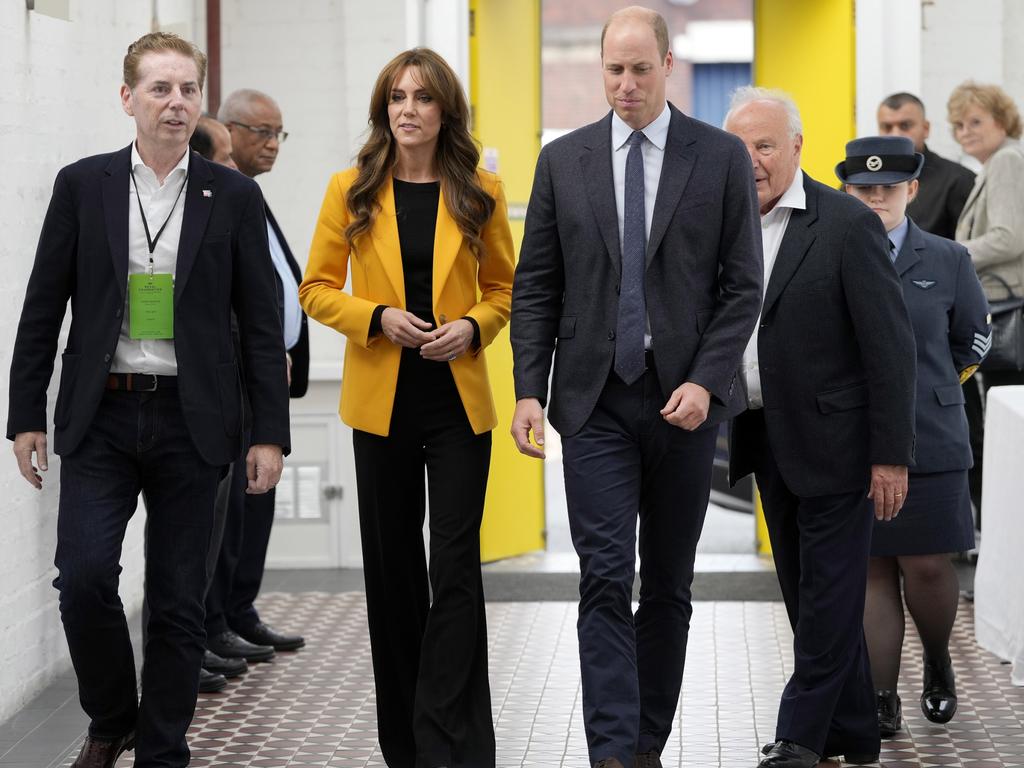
x,y
629,330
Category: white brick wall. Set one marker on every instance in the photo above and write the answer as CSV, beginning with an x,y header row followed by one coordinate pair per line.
x,y
59,103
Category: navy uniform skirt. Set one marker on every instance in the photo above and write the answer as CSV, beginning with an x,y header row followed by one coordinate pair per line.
x,y
936,518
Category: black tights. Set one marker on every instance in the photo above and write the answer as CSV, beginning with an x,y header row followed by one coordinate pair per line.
x,y
931,589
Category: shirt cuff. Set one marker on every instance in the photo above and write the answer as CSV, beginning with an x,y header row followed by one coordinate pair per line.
x,y
476,331
376,326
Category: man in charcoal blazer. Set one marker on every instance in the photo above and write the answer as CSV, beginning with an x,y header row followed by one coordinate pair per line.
x,y
641,271
144,407
829,377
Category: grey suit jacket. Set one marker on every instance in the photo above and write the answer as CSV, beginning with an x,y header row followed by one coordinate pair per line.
x,y
991,225
703,278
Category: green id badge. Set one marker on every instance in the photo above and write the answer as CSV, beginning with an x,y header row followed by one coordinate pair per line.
x,y
151,306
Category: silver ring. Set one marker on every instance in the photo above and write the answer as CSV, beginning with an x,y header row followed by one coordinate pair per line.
x,y
452,357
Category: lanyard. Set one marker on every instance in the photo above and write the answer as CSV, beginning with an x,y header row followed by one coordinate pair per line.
x,y
152,241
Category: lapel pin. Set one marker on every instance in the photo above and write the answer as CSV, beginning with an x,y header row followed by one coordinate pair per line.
x,y
207,193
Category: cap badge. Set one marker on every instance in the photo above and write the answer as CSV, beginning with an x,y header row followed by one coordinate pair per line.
x,y
874,163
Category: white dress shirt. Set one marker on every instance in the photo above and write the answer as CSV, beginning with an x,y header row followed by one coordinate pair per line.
x,y
292,310
773,229
653,150
151,355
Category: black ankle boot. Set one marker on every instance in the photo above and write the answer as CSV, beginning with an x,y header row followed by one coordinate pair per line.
x,y
890,713
938,701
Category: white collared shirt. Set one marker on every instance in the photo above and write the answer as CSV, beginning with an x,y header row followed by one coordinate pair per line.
x,y
151,355
773,229
292,310
653,150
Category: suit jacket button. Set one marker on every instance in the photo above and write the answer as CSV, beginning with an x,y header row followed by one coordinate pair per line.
x,y
611,335
106,358
764,325
118,313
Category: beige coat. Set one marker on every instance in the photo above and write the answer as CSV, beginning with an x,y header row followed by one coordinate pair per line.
x,y
992,222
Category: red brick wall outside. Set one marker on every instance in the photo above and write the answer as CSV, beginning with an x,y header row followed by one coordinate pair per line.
x,y
571,87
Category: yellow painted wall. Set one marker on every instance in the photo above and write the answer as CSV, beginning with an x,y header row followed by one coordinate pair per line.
x,y
505,95
808,49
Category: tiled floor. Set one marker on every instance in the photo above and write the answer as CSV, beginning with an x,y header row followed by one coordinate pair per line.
x,y
316,707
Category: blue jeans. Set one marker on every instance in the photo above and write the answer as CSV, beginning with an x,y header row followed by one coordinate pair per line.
x,y
138,442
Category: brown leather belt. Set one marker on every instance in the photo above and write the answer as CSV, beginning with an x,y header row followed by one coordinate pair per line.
x,y
140,382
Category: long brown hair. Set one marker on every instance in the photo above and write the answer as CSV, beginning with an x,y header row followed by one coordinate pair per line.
x,y
457,154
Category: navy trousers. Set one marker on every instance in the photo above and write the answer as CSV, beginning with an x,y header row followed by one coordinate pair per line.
x,y
137,443
821,546
238,573
628,463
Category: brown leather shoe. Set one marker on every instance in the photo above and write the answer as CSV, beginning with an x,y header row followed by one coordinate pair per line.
x,y
103,753
608,762
647,760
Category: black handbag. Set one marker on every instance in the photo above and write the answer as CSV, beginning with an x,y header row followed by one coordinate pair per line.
x,y
1007,352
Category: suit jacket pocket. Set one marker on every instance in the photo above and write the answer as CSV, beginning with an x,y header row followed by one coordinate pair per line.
x,y
68,375
950,394
229,386
566,326
845,399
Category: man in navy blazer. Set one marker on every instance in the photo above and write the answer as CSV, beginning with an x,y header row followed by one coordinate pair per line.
x,y
640,271
155,248
829,379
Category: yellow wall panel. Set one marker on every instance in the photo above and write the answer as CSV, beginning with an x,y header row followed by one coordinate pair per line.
x,y
505,94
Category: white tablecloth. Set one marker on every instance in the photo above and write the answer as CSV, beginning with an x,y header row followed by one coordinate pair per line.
x,y
999,580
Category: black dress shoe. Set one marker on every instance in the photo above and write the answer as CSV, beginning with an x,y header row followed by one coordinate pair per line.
x,y
221,666
103,753
890,713
211,682
231,646
786,754
938,701
260,634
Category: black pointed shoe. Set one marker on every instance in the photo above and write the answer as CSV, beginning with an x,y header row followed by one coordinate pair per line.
x,y
222,666
229,645
786,754
262,634
938,701
890,713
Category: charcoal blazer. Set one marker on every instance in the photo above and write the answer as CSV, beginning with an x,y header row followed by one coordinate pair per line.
x,y
223,265
949,313
300,352
702,281
836,352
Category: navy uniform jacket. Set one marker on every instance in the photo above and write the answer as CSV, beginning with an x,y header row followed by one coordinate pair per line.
x,y
950,317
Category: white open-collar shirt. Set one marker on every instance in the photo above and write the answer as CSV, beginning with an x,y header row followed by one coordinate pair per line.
x,y
773,229
151,355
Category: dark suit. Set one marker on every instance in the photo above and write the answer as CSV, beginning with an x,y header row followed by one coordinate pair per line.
x,y
836,361
172,443
621,458
250,518
944,188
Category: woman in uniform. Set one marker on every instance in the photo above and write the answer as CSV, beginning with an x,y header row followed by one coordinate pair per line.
x,y
949,314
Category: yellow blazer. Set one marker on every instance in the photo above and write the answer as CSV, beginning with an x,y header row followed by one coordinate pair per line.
x,y
463,287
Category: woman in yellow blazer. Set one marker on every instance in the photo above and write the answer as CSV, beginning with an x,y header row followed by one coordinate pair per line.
x,y
424,236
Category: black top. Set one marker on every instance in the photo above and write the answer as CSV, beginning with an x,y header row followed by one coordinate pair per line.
x,y
416,210
944,188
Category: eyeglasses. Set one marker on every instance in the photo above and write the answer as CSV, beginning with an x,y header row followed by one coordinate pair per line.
x,y
264,133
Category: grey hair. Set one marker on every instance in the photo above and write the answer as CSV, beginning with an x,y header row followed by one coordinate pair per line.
x,y
748,94
237,103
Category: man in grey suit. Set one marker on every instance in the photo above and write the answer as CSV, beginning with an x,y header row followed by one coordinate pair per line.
x,y
829,375
642,261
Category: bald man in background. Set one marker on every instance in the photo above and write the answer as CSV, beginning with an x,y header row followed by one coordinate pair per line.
x,y
213,141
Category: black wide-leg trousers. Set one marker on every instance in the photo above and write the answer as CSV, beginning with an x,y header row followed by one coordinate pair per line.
x,y
428,632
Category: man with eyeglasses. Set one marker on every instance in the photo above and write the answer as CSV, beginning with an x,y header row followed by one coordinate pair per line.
x,y
233,626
